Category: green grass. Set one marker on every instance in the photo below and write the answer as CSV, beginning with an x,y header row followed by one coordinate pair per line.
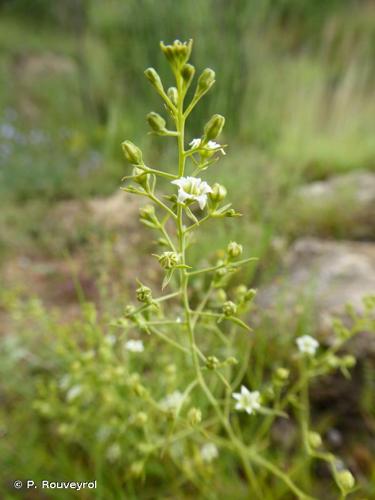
x,y
296,87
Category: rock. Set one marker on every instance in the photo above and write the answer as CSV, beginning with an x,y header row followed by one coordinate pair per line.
x,y
343,206
325,275
76,221
35,65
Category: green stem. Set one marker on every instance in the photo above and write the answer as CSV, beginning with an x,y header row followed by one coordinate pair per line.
x,y
161,204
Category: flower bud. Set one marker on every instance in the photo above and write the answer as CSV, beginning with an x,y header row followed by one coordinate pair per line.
x,y
333,361
212,362
147,212
168,260
240,292
282,374
173,95
348,361
144,294
163,242
314,439
231,361
129,311
140,419
154,79
136,469
229,308
140,177
213,127
218,193
140,390
205,81
156,122
177,53
250,294
187,73
171,370
234,250
222,271
194,416
221,295
345,480
132,153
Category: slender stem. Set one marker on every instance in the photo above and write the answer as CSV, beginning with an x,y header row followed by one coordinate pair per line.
x,y
160,173
170,341
161,204
166,236
220,266
190,321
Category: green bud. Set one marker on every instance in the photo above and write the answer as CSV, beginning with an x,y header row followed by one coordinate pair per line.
x,y
163,242
218,193
333,361
213,128
194,416
205,81
133,380
132,153
222,271
154,79
345,480
140,177
173,95
147,212
348,361
240,292
129,311
168,260
144,294
229,308
136,469
156,122
250,294
231,361
177,53
282,374
234,250
171,369
314,439
212,362
231,213
187,73
221,295
140,419
140,390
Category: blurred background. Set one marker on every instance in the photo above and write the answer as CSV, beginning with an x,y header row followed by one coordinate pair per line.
x,y
295,81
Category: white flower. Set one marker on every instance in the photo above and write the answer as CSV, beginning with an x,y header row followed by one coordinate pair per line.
x,y
172,401
247,400
307,345
134,346
192,188
209,452
73,392
110,339
195,143
215,145
113,453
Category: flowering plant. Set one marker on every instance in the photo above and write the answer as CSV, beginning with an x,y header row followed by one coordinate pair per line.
x,y
177,216
173,382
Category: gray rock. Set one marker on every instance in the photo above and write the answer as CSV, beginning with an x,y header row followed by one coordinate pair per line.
x,y
325,276
343,206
